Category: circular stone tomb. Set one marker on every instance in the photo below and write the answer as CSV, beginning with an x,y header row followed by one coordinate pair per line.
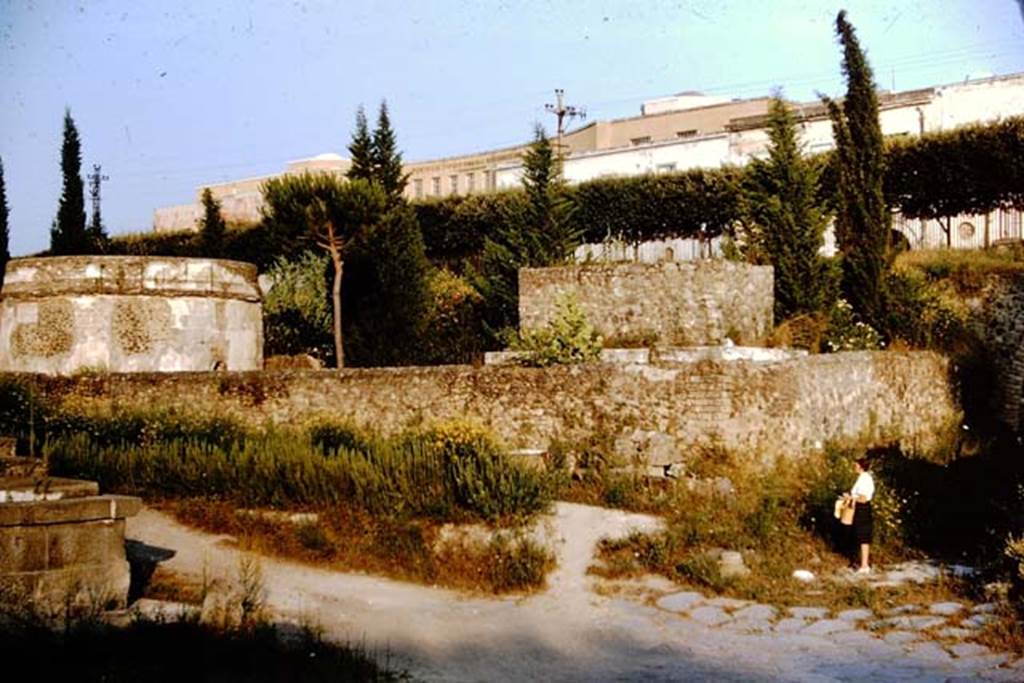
x,y
59,315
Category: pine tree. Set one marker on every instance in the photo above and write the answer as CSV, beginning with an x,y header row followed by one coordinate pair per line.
x,y
5,235
548,209
785,220
211,227
863,222
68,235
545,237
361,149
387,160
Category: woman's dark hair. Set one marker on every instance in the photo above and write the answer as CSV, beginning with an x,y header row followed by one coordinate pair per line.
x,y
864,463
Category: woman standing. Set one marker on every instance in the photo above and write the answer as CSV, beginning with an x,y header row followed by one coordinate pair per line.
x,y
863,521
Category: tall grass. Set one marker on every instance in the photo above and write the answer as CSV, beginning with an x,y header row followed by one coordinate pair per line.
x,y
415,475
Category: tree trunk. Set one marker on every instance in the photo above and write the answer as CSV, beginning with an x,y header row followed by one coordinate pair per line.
x,y
339,352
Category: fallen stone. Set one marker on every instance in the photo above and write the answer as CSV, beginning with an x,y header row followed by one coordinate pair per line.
x,y
955,632
913,623
901,609
680,602
803,575
945,608
984,608
808,612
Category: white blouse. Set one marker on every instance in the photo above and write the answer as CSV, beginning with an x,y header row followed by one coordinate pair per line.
x,y
864,486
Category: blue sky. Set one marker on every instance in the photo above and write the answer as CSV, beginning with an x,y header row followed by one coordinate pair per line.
x,y
170,95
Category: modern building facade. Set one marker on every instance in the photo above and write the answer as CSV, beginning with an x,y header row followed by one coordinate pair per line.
x,y
678,133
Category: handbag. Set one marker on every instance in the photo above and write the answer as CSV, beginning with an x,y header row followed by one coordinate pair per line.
x,y
844,510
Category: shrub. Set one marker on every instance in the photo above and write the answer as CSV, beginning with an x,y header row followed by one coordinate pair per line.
x,y
297,314
568,338
847,333
454,325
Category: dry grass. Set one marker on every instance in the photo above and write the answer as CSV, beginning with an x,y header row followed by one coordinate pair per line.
x,y
349,539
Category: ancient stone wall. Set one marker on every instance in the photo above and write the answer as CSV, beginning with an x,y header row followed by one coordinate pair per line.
x,y
681,304
764,408
129,314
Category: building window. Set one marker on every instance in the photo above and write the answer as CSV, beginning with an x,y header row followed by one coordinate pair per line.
x,y
470,182
666,168
686,133
417,188
640,141
453,184
435,186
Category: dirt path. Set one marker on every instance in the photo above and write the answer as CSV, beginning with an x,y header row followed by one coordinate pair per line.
x,y
567,633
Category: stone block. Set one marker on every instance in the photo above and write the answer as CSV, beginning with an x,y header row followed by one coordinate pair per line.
x,y
680,602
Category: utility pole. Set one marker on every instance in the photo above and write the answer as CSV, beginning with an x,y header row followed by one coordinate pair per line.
x,y
95,178
563,112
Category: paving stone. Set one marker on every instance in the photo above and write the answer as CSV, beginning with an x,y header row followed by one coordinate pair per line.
x,y
984,608
826,626
913,623
969,650
808,612
756,612
902,609
728,603
945,608
790,625
981,663
929,651
977,621
855,614
955,632
900,637
709,615
680,602
1002,675
749,625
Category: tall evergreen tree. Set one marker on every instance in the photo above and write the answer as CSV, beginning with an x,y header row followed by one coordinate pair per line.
x,y
361,149
785,220
545,236
863,222
5,235
211,226
387,160
68,235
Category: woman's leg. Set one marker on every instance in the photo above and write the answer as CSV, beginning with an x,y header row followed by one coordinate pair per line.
x,y
865,555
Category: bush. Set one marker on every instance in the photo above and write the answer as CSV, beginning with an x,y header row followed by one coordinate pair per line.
x,y
454,326
847,333
297,314
568,338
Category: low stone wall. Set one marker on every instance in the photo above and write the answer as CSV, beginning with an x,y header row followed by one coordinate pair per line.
x,y
680,304
129,314
764,408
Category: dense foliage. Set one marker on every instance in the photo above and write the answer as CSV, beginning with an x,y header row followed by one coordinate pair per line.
x,y
211,226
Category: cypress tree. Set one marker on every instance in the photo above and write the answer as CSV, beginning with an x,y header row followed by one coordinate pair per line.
x,y
387,160
68,235
5,235
785,220
361,149
548,209
211,226
863,222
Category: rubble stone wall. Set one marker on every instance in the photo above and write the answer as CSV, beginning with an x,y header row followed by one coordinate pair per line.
x,y
689,303
767,408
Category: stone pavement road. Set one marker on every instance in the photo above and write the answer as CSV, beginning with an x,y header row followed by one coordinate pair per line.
x,y
572,633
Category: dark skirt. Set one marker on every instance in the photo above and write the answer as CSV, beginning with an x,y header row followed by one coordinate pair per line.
x,y
863,523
